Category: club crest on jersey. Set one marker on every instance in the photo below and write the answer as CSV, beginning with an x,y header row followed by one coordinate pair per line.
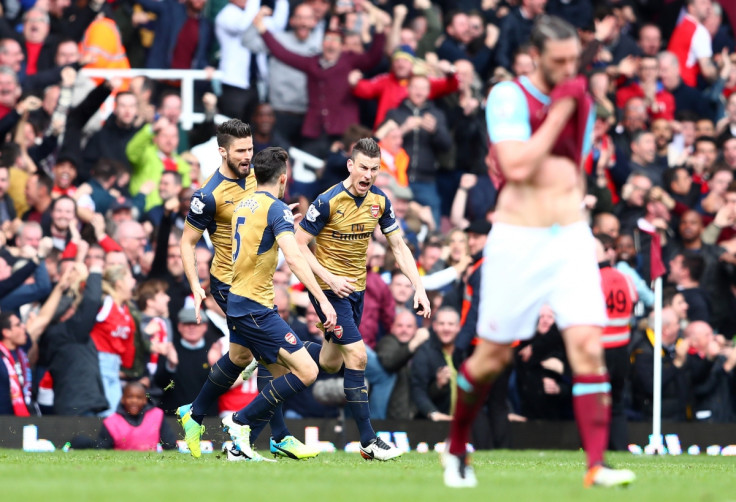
x,y
197,206
338,332
375,208
290,338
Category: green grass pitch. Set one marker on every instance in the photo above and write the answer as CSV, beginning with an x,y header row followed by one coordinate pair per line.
x,y
513,476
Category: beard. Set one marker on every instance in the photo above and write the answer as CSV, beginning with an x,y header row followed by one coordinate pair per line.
x,y
235,167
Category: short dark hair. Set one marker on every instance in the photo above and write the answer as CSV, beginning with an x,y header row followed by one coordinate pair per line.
x,y
44,180
705,139
606,240
230,130
269,164
694,263
551,28
668,295
176,174
6,321
669,176
368,147
105,169
148,290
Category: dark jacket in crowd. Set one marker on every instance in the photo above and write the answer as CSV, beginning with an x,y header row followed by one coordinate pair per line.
x,y
712,389
422,146
70,355
676,382
107,143
515,31
394,356
170,18
427,397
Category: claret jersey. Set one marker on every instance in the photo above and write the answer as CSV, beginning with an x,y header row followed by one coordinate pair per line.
x,y
343,224
258,222
212,209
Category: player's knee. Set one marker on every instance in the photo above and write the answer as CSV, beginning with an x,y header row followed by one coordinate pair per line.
x,y
241,358
330,367
308,374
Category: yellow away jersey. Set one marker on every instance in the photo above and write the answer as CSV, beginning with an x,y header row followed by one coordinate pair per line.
x,y
343,224
258,222
212,209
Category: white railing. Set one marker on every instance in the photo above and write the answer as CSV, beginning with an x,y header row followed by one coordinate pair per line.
x,y
187,78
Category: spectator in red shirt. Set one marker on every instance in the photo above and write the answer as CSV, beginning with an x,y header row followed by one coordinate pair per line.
x,y
391,88
692,44
660,103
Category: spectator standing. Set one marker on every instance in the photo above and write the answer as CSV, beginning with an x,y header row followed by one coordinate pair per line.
x,y
691,43
287,86
332,106
15,370
516,28
113,332
425,134
151,151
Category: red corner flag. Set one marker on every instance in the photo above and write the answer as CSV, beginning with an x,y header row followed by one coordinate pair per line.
x,y
656,265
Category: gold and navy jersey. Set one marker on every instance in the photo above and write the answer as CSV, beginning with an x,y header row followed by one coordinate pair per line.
x,y
343,224
212,210
258,222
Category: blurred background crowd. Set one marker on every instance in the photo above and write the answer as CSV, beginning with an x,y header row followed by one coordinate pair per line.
x,y
96,177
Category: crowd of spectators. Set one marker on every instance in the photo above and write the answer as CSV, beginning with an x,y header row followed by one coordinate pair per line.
x,y
96,177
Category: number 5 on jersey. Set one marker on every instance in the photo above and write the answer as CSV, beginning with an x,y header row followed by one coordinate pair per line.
x,y
236,236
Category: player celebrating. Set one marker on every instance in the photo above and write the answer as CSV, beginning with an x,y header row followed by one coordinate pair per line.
x,y
540,250
261,225
343,219
211,209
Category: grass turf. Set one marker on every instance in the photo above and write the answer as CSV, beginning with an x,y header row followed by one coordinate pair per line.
x,y
516,476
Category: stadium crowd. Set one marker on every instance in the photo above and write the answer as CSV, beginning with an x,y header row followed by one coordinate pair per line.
x,y
97,176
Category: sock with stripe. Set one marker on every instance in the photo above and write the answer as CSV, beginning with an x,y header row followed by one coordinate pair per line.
x,y
591,402
470,398
276,391
356,394
278,426
221,377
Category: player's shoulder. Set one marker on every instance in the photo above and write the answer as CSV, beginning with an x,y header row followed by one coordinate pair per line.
x,y
331,193
378,194
504,91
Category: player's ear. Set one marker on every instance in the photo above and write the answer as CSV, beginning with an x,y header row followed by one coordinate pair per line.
x,y
223,152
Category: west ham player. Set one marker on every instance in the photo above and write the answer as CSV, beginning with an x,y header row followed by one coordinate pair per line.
x,y
540,249
342,220
211,209
261,225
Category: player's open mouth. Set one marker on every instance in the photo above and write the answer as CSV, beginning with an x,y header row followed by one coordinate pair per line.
x,y
365,185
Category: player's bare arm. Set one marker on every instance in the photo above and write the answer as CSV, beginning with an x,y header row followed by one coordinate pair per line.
x,y
407,265
520,160
299,265
189,239
341,286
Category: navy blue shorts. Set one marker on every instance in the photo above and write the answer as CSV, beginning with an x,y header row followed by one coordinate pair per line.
x,y
349,312
219,291
264,333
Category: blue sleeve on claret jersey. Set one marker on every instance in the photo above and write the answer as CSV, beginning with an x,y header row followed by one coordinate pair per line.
x,y
387,221
202,210
280,218
588,137
317,215
507,114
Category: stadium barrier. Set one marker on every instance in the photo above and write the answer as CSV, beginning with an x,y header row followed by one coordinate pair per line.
x,y
529,435
186,77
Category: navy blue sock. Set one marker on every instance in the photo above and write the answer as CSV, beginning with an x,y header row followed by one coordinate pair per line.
x,y
275,392
278,427
357,395
314,349
221,377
